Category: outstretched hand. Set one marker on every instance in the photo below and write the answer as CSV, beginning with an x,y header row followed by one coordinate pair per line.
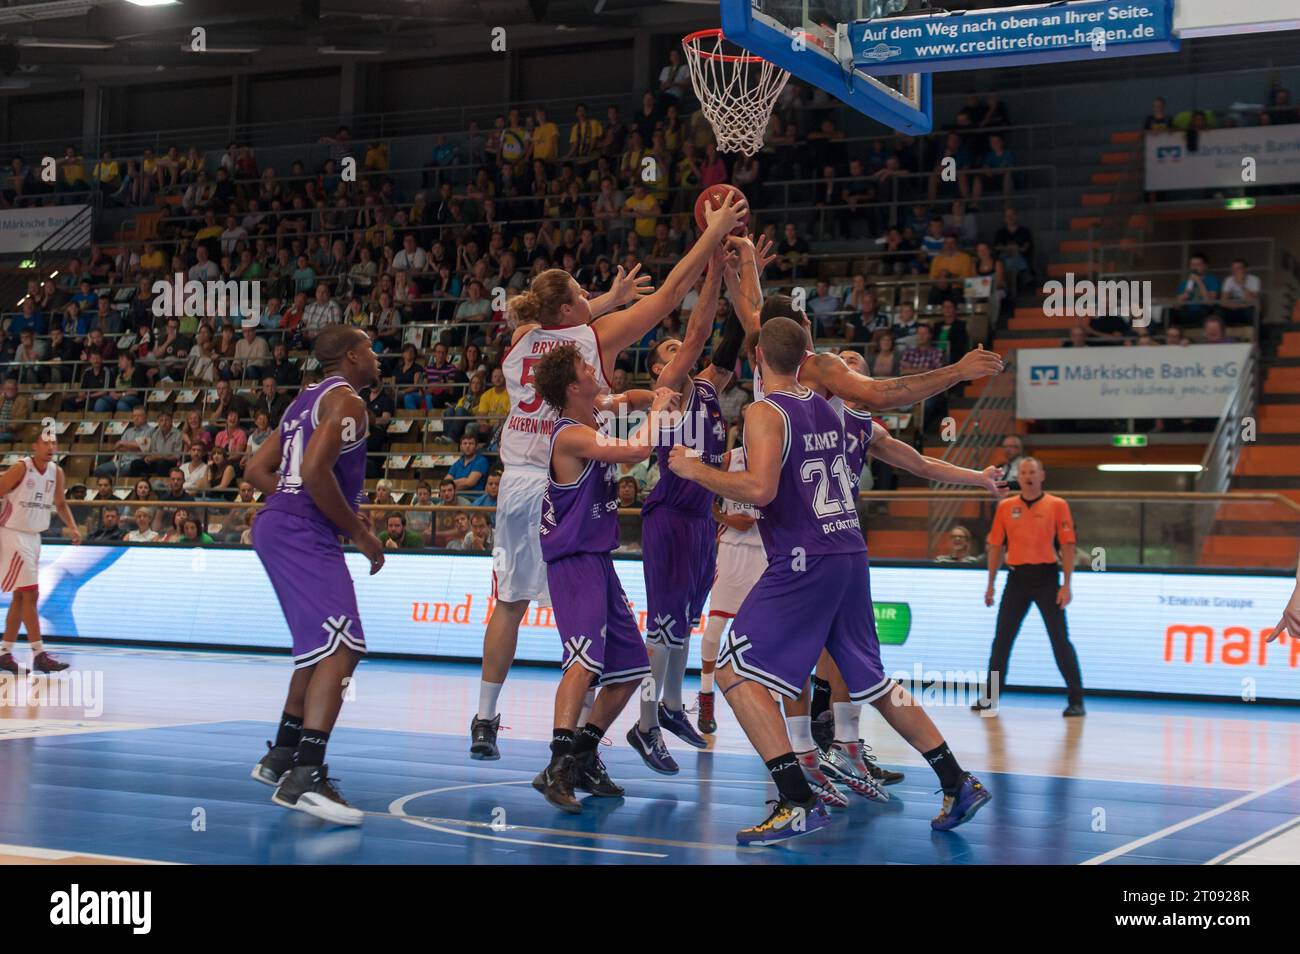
x,y
630,286
979,364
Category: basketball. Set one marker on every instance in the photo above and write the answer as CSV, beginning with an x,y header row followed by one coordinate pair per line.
x,y
714,196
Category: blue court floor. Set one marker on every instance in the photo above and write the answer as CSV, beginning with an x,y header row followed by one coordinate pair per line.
x,y
182,792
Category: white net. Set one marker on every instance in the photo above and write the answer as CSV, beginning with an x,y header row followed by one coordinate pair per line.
x,y
736,90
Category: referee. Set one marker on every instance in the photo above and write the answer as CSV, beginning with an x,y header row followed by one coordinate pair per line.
x,y
1030,527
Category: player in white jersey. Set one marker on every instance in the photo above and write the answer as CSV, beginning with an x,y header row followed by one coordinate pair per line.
x,y
741,561
554,311
32,489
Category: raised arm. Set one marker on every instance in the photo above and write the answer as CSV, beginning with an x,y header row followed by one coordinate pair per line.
x,y
619,330
830,373
758,482
677,375
904,456
584,443
744,285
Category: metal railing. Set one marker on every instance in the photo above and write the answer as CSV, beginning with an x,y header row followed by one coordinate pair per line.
x,y
1220,459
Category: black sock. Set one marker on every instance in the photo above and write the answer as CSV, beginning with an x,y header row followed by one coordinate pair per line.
x,y
561,742
789,778
945,766
290,732
311,747
821,697
587,739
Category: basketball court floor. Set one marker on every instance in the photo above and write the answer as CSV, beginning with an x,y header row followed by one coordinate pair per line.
x,y
152,765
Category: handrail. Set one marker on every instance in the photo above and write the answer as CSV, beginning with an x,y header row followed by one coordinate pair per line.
x,y
1220,458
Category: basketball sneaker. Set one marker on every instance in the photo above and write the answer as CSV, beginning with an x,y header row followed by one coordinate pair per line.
x,y
44,662
960,808
650,746
483,739
822,786
705,721
679,724
853,774
555,782
308,788
859,752
276,761
823,730
788,820
592,777
9,664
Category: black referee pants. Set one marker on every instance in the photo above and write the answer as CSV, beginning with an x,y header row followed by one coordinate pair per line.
x,y
1036,584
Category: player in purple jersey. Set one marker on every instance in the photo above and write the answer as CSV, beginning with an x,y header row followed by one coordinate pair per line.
x,y
678,542
312,469
845,754
814,594
579,529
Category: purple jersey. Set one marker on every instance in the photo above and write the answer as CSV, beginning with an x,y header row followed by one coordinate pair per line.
x,y
582,516
858,427
296,428
813,512
701,428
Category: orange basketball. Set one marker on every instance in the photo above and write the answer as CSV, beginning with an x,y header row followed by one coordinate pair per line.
x,y
715,196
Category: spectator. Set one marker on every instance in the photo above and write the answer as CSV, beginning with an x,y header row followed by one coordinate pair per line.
x,y
165,446
905,327
15,409
1239,298
469,472
1198,293
884,357
441,378
792,254
1078,338
93,393
583,137
143,532
1013,452
175,525
1176,336
951,262
823,310
228,400
221,473
233,439
952,332
396,536
195,470
959,547
1014,245
109,529
270,401
925,356
322,311
130,448
478,539
495,401
629,525
1158,120
192,535
252,355
1214,331
195,432
674,80
492,486
421,521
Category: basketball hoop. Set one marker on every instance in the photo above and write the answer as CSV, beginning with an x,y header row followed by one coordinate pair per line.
x,y
736,90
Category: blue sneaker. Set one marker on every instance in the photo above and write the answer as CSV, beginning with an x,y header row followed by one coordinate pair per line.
x,y
650,746
679,724
960,808
787,821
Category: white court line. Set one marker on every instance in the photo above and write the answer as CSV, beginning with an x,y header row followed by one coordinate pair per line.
x,y
1189,822
1257,840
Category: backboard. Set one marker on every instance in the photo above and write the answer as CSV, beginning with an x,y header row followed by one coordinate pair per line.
x,y
810,39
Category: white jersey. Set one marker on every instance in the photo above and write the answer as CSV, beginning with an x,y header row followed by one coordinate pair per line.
x,y
837,402
526,437
28,506
729,535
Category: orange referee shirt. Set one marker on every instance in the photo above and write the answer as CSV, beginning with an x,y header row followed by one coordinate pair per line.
x,y
1031,531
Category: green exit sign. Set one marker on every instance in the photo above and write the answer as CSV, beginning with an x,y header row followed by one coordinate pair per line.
x,y
1129,440
1239,204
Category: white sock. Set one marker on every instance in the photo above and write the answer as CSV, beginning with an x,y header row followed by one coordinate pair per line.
x,y
659,659
588,701
800,729
847,715
674,676
488,693
709,646
6,647
38,646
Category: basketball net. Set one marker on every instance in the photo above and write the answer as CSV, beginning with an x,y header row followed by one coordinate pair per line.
x,y
736,90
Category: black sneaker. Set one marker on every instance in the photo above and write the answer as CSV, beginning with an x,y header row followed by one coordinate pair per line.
x,y
308,788
592,777
277,760
44,662
9,664
1074,709
823,730
483,739
882,775
555,782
